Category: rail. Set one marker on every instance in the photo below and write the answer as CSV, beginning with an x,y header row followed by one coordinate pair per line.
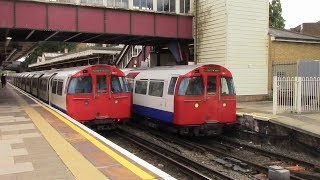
x,y
173,157
296,94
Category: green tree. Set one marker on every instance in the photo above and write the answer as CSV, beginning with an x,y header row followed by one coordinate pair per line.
x,y
45,47
275,15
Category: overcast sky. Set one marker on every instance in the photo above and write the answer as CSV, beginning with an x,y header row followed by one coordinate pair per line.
x,y
296,12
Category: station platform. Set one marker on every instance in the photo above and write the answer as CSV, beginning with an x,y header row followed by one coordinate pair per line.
x,y
307,123
37,142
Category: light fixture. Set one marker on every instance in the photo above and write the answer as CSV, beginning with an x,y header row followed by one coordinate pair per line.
x,y
8,39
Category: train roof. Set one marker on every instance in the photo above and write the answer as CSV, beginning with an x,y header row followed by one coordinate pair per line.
x,y
161,72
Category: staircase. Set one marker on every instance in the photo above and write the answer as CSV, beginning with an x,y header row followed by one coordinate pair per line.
x,y
132,55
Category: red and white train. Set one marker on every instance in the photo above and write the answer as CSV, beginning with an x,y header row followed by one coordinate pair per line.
x,y
193,100
96,95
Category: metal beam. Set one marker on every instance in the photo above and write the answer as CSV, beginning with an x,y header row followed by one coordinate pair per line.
x,y
30,34
53,34
91,38
72,37
12,52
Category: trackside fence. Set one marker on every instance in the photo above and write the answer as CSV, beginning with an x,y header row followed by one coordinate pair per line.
x,y
296,94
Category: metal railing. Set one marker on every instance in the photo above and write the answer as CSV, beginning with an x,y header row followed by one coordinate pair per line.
x,y
177,6
296,94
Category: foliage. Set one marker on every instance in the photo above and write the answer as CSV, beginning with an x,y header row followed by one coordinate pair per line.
x,y
46,47
275,14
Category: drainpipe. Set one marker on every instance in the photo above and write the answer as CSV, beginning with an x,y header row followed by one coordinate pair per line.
x,y
195,34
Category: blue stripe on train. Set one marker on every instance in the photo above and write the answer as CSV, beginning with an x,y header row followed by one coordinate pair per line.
x,y
153,113
59,108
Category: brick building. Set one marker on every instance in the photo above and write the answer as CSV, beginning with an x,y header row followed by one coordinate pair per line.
x,y
288,46
312,29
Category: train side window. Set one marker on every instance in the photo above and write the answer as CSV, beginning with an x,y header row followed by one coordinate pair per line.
x,y
227,87
60,87
34,82
54,87
172,85
191,86
211,85
156,88
82,84
141,87
101,84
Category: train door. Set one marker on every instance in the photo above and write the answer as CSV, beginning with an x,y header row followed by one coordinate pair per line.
x,y
120,96
51,87
101,95
227,100
169,99
211,99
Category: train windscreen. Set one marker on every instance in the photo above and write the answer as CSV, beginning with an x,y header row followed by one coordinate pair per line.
x,y
191,86
82,84
119,84
227,86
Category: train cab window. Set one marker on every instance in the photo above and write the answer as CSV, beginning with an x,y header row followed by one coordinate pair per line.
x,y
156,88
130,84
227,87
54,87
79,85
119,84
60,87
141,87
101,84
172,85
211,85
191,86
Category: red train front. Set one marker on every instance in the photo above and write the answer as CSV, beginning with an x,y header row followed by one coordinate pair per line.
x,y
209,101
98,95
197,100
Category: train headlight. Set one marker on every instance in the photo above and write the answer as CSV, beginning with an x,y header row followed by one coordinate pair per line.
x,y
86,103
116,101
196,105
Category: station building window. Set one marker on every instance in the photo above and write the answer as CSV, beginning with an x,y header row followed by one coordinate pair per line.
x,y
156,88
118,3
143,4
97,2
166,5
185,6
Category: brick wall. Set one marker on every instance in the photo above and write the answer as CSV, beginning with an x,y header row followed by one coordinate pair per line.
x,y
290,51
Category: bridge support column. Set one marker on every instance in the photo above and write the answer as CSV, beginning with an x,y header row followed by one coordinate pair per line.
x,y
158,55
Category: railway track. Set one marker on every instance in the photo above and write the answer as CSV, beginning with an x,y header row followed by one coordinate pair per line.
x,y
188,166
223,149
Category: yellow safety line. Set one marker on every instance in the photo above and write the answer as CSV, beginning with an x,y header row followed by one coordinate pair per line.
x,y
135,169
80,167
